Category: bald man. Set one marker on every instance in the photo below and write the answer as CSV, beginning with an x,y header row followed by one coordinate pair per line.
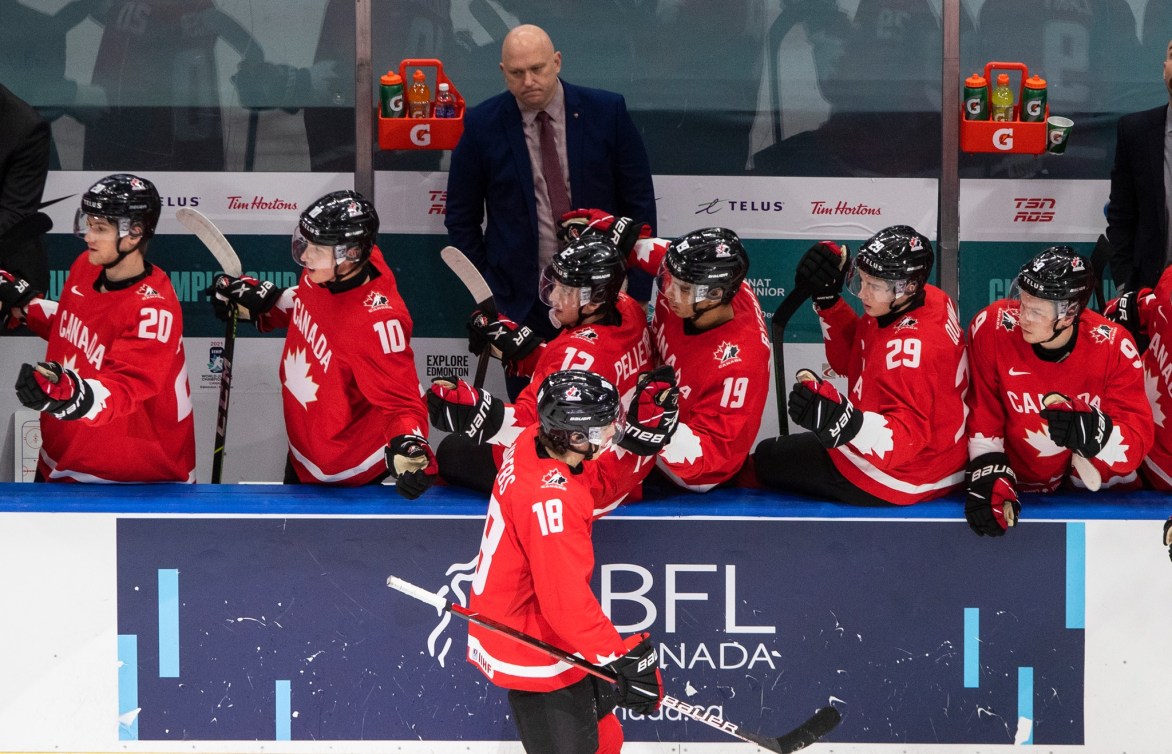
x,y
542,147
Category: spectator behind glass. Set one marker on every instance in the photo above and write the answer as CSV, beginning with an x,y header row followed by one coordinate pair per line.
x,y
24,163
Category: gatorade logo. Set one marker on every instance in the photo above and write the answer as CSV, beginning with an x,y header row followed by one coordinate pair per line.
x,y
1034,109
973,105
421,135
1003,139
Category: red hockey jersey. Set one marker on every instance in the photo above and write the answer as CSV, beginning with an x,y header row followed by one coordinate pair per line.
x,y
909,380
128,345
348,377
1155,312
723,376
533,574
1009,382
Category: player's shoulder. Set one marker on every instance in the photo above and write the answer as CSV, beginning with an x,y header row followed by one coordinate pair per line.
x,y
998,318
156,290
1102,334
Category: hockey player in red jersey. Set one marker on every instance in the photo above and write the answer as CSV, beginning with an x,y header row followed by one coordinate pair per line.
x,y
533,574
1043,340
884,441
350,389
602,330
113,389
708,327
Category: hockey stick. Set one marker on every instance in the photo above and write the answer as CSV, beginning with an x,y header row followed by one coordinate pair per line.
x,y
1100,258
786,309
820,723
476,285
206,231
1087,472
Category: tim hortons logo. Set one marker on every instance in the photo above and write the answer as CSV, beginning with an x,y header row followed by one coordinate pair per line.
x,y
1034,209
260,203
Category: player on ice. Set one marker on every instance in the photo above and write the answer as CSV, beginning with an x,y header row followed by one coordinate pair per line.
x,y
1055,385
708,327
354,411
533,575
113,393
897,436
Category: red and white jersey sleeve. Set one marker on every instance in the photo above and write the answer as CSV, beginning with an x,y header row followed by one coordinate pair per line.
x,y
909,380
533,574
348,377
723,376
1010,381
127,344
1155,312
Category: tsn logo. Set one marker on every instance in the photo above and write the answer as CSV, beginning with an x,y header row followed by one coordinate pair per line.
x,y
1034,209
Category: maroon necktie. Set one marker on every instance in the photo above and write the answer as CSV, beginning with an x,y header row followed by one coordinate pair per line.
x,y
551,168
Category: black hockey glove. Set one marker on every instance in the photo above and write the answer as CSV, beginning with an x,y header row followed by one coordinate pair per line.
x,y
55,390
248,293
1076,425
623,232
1168,536
823,270
513,341
653,414
455,406
815,405
1125,311
15,293
412,464
991,505
640,685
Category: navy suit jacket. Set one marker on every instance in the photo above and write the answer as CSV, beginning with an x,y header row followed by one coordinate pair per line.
x,y
1137,218
491,173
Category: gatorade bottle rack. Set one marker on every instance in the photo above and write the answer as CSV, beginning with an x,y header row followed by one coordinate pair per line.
x,y
1000,136
422,133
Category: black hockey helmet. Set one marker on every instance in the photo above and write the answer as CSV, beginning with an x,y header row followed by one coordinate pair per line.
x,y
709,259
1060,275
898,253
122,199
576,407
591,264
345,220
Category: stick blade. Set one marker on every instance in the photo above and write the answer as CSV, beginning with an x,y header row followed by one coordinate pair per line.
x,y
818,725
217,244
462,266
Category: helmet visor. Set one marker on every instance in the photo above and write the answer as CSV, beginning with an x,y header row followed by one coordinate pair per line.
x,y
100,228
557,295
677,289
875,289
1035,309
315,256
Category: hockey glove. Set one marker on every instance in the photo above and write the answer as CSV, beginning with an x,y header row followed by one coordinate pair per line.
x,y
513,341
653,413
1168,536
412,464
248,293
455,406
261,85
991,505
1076,425
823,270
640,685
1125,311
815,405
15,293
55,390
623,232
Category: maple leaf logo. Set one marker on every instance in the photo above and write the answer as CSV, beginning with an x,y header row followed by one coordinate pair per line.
x,y
875,437
1041,442
727,353
1008,320
146,292
1114,452
376,300
297,380
1152,388
1103,334
555,479
684,446
907,323
586,333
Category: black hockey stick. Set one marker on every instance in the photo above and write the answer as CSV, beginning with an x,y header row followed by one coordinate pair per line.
x,y
820,723
1100,258
790,304
478,287
206,231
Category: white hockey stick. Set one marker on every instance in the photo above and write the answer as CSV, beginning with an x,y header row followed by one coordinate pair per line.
x,y
212,238
478,287
1087,472
818,725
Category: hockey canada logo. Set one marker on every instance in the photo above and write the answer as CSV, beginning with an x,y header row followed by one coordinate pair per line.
x,y
146,291
1103,334
586,333
727,353
1008,320
137,184
553,479
722,250
375,301
352,210
572,393
907,323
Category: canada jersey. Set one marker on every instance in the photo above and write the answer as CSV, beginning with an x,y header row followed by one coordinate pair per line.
x,y
911,447
1155,311
348,377
127,344
533,574
1010,381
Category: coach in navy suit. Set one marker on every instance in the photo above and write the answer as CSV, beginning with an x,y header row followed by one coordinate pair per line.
x,y
1137,214
496,170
